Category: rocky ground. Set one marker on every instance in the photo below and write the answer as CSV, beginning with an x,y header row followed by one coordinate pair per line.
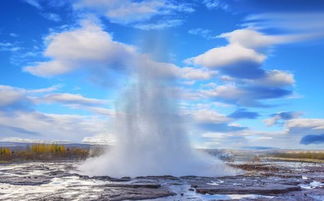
x,y
259,181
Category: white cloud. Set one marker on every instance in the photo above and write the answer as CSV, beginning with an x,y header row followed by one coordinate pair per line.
x,y
249,38
19,99
276,78
62,126
210,116
67,98
226,91
226,56
250,96
78,102
281,117
18,117
13,99
239,66
245,48
45,90
91,48
135,12
304,126
87,47
195,73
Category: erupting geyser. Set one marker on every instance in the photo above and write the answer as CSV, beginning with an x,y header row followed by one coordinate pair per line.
x,y
151,139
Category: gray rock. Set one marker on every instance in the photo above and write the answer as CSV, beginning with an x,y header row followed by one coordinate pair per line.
x,y
131,193
26,180
266,189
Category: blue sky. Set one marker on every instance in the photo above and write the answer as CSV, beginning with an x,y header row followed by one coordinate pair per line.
x,y
249,73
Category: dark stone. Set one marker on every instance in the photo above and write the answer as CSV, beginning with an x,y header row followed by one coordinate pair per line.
x,y
136,185
27,180
140,193
266,189
107,178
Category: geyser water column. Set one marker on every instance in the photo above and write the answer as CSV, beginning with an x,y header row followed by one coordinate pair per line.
x,y
150,137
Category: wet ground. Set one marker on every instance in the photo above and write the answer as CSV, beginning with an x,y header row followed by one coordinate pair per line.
x,y
260,181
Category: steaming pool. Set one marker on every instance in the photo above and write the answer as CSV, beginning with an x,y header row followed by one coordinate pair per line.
x,y
260,181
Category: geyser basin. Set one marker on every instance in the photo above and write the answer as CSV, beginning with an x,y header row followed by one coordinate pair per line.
x,y
151,139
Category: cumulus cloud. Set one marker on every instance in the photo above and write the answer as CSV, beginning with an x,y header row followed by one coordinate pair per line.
x,y
281,117
13,98
245,95
172,71
18,117
250,38
274,78
79,102
90,48
35,125
210,120
242,57
304,126
232,60
239,65
85,47
138,14
210,116
19,99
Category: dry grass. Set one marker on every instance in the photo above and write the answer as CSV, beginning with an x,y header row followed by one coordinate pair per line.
x,y
43,152
307,160
255,167
317,155
298,156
